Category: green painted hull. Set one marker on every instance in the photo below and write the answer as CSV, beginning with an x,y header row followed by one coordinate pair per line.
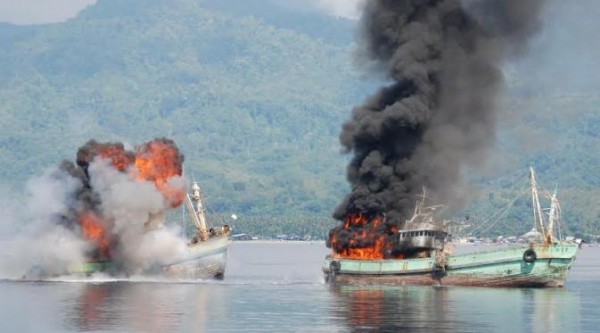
x,y
506,267
203,260
89,268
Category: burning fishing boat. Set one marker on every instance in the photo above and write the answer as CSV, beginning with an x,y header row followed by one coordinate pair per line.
x,y
114,216
418,254
431,126
205,255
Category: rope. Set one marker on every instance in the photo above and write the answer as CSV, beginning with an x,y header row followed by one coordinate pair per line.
x,y
498,215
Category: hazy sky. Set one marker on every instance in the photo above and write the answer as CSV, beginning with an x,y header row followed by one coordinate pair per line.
x,y
49,11
344,8
40,11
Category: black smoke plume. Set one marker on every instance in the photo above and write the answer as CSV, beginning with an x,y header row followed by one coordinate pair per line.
x,y
437,117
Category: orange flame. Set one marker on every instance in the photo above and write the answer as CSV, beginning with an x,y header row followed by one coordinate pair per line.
x,y
117,154
366,239
374,252
94,231
158,161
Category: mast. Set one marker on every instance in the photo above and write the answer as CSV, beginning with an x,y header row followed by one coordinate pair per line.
x,y
537,210
197,213
420,203
553,215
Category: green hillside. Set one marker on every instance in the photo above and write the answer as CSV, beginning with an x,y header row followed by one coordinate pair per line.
x,y
255,109
255,97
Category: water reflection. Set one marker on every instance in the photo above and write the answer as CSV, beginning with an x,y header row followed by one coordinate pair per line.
x,y
552,310
394,308
142,307
92,310
455,309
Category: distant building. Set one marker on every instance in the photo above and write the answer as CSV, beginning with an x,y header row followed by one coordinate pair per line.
x,y
533,233
241,237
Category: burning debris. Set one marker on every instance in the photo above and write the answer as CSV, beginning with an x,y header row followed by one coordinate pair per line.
x,y
116,203
436,119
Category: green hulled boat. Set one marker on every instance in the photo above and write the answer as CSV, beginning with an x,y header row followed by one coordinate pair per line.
x,y
518,266
543,262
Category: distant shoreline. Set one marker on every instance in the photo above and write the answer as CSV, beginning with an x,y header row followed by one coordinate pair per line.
x,y
277,241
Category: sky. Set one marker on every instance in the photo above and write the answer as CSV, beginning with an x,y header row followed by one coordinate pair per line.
x,y
40,11
52,11
344,8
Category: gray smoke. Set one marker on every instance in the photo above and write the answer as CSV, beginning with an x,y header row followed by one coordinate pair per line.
x,y
437,118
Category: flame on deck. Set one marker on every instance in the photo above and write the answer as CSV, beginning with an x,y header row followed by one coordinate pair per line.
x,y
363,237
93,230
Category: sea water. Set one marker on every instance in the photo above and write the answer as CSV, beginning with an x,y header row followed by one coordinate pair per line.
x,y
279,287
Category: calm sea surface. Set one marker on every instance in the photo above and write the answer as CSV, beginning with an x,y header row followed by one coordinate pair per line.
x,y
278,287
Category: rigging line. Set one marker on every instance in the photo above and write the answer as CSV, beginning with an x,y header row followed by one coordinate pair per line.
x,y
500,211
518,179
511,184
498,215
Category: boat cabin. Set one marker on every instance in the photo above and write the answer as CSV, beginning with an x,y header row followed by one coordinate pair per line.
x,y
425,239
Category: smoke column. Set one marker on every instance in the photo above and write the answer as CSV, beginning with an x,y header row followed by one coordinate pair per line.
x,y
437,117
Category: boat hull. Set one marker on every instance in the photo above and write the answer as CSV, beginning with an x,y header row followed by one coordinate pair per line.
x,y
203,260
508,267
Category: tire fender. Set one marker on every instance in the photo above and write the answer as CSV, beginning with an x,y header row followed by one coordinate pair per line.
x,y
529,256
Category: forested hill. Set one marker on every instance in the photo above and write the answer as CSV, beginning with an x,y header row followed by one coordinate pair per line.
x,y
255,108
254,93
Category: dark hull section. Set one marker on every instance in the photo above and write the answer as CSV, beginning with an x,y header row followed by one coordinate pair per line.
x,y
431,280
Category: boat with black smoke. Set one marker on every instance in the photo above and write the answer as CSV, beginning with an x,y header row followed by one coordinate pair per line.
x,y
420,253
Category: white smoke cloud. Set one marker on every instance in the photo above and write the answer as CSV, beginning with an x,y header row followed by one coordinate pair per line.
x,y
40,11
136,209
8,211
44,247
49,244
